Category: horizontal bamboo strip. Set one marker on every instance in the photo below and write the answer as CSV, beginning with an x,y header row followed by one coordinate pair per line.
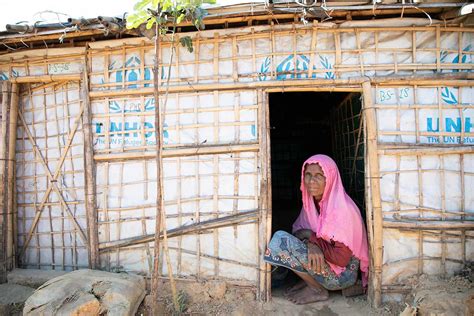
x,y
425,150
425,209
181,152
456,79
433,225
211,224
249,265
46,78
422,258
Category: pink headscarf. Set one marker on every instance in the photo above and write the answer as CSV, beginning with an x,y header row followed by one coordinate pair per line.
x,y
339,218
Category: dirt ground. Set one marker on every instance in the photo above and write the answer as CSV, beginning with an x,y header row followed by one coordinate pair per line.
x,y
430,295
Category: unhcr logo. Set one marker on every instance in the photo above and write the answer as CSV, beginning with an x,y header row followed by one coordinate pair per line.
x,y
451,125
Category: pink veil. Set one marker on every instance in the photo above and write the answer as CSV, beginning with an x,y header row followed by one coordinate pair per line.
x,y
339,218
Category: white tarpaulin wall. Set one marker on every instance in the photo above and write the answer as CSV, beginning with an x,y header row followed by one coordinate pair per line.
x,y
426,186
417,186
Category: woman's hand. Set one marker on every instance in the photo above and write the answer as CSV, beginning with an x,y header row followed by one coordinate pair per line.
x,y
316,260
303,234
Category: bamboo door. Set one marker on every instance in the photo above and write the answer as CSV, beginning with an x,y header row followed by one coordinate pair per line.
x,y
50,177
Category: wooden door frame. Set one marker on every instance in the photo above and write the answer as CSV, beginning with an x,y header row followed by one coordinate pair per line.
x,y
372,183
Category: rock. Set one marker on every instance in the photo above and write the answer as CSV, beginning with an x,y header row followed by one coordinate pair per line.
x,y
88,292
32,277
12,297
217,290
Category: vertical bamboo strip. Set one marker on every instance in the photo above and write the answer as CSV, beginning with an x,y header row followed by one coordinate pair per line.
x,y
196,58
106,212
273,51
254,57
337,44
70,249
461,112
264,227
417,114
176,48
360,52
106,64
215,209
142,65
6,93
376,43
235,62
124,71
441,114
413,49
294,34
235,201
197,215
438,48
314,36
216,117
120,198
106,128
443,215
90,174
180,210
395,62
11,179
463,207
56,119
421,204
216,57
370,114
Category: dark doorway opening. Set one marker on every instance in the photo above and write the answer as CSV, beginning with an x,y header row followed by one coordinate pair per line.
x,y
303,124
307,123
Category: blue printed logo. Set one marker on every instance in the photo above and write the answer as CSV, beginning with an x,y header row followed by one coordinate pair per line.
x,y
130,75
295,67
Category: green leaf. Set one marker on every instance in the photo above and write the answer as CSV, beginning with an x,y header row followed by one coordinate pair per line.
x,y
180,18
150,23
187,42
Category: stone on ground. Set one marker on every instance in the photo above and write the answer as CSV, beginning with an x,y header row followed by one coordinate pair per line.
x,y
12,297
88,292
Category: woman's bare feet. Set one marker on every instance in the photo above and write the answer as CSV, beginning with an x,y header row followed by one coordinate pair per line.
x,y
307,295
295,288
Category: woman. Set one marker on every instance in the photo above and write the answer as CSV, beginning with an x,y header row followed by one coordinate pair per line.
x,y
329,241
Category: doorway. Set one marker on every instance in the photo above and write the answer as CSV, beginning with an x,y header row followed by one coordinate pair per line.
x,y
303,124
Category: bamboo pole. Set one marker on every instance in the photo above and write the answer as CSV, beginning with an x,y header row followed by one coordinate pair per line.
x,y
455,79
430,225
225,221
90,174
370,119
6,91
179,152
11,181
46,78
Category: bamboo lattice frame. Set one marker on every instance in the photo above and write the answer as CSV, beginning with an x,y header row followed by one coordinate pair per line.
x,y
242,61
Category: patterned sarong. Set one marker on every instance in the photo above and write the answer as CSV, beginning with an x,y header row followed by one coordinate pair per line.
x,y
288,251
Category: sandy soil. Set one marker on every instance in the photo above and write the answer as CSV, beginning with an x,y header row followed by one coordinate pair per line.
x,y
430,295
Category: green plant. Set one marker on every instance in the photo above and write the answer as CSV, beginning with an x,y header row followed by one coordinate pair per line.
x,y
167,14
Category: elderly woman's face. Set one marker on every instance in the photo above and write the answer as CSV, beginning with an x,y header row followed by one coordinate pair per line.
x,y
315,181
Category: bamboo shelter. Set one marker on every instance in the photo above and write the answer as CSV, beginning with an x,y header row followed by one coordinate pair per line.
x,y
78,150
